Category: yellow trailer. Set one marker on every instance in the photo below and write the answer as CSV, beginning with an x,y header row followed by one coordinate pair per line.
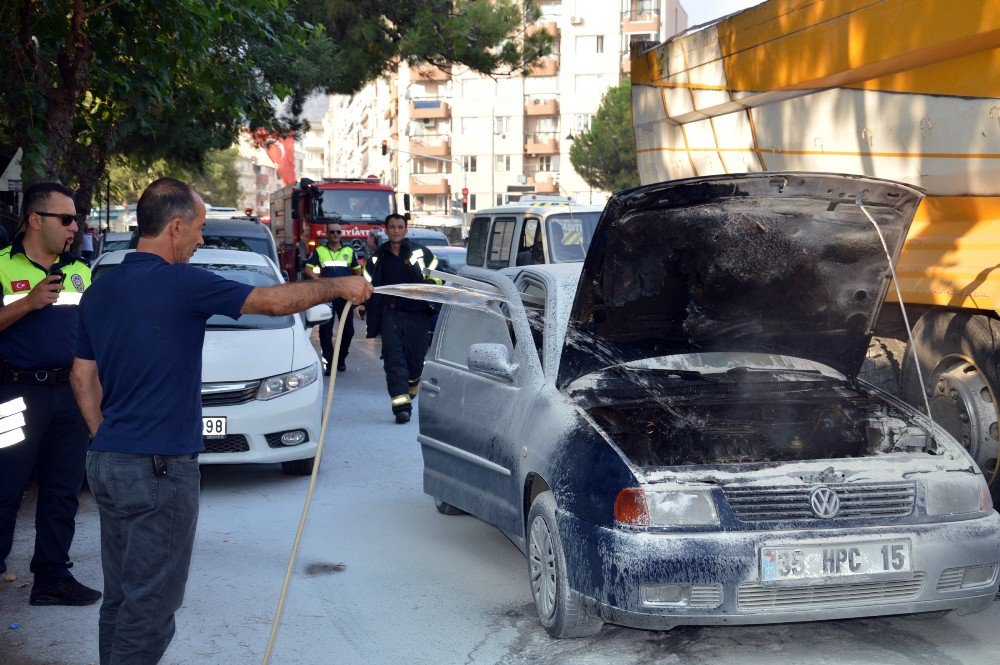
x,y
907,90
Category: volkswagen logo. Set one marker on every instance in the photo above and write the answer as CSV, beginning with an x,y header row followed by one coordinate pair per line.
x,y
825,502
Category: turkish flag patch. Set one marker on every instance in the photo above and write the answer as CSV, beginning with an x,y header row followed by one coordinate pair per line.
x,y
20,285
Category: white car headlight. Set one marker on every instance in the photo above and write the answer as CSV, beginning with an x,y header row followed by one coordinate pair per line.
x,y
275,386
957,493
660,507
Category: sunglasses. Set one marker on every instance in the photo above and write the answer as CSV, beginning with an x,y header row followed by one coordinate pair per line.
x,y
334,233
64,219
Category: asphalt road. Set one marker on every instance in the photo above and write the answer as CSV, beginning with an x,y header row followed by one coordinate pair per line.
x,y
383,578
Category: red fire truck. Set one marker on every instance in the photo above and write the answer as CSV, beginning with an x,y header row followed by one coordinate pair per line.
x,y
301,211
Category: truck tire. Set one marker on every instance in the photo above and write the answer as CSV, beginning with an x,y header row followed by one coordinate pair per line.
x,y
959,355
884,363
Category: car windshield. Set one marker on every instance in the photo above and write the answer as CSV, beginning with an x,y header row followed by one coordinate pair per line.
x,y
570,234
451,261
232,241
244,274
115,245
353,205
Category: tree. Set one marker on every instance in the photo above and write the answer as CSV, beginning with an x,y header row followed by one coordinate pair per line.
x,y
604,155
82,81
216,179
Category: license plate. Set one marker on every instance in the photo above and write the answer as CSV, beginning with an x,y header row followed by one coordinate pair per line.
x,y
835,562
213,428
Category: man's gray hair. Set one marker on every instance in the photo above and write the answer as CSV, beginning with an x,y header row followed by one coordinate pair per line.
x,y
164,200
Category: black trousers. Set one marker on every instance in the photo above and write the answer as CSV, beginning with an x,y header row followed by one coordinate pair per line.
x,y
326,332
405,337
55,447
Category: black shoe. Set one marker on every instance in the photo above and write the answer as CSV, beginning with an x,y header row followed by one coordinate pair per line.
x,y
67,592
326,371
341,366
403,417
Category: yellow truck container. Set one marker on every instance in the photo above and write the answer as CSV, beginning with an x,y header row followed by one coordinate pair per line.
x,y
907,90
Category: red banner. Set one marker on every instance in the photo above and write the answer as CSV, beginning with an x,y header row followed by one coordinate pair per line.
x,y
282,153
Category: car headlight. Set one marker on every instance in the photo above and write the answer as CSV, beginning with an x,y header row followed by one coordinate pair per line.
x,y
661,507
957,494
275,386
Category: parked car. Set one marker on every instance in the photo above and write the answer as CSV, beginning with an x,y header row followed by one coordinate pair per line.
x,y
261,393
674,432
537,229
427,237
243,234
112,242
450,258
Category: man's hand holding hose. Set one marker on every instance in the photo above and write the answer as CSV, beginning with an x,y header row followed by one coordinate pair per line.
x,y
300,296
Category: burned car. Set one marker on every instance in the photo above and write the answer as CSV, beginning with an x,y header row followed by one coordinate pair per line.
x,y
674,432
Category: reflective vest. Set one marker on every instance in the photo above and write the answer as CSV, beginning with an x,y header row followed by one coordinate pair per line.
x,y
327,262
44,338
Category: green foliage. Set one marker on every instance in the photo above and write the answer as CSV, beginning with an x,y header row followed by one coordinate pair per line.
x,y
216,179
604,155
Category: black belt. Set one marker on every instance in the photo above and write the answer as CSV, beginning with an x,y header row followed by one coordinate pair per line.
x,y
35,377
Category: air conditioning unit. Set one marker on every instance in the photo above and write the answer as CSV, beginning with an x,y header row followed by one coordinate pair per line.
x,y
429,122
575,20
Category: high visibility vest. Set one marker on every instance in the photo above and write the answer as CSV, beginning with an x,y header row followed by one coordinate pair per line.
x,y
326,262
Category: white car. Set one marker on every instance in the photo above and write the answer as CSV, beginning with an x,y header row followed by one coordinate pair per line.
x,y
261,393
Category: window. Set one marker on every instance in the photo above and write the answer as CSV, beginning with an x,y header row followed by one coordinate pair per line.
x,y
472,202
503,164
531,247
469,163
500,241
545,163
501,124
582,121
476,255
464,327
586,44
441,201
428,166
600,44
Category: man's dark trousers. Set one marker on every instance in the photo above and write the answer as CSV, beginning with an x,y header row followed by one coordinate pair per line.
x,y
55,447
326,333
405,337
147,533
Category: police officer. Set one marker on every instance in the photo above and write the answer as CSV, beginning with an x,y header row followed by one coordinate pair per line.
x,y
404,323
42,285
334,259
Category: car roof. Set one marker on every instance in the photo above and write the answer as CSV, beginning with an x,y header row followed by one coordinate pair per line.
x,y
539,208
202,256
242,226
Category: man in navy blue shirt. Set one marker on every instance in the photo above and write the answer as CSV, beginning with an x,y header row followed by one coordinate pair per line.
x,y
137,378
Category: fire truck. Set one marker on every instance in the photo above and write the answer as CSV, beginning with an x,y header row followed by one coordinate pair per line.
x,y
301,211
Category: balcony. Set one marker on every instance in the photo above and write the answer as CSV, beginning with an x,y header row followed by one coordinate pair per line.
x,y
429,109
542,143
428,73
545,67
422,185
550,27
431,147
541,107
544,183
641,20
626,63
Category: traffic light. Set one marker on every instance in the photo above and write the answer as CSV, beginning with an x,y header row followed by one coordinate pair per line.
x,y
465,199
385,147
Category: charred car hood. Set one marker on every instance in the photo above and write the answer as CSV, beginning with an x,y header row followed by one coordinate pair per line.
x,y
776,263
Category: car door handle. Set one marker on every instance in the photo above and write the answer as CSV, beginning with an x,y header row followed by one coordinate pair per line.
x,y
430,387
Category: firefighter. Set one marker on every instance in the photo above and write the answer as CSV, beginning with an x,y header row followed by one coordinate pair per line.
x,y
334,259
404,323
42,285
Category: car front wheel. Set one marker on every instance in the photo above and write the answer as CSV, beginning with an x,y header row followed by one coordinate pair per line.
x,y
560,609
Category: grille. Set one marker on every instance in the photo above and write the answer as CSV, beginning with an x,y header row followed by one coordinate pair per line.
x,y
231,443
970,577
951,579
226,394
274,440
705,595
754,597
766,504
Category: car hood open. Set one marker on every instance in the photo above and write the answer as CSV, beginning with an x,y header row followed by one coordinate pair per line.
x,y
777,263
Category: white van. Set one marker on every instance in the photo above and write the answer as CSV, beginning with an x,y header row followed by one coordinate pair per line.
x,y
537,229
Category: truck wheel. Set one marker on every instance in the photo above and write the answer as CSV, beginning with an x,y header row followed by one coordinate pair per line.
x,y
883,364
559,608
959,355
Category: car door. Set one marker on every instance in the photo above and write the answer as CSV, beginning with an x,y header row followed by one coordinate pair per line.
x,y
469,421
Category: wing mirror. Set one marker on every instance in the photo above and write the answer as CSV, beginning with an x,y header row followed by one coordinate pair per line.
x,y
318,314
492,360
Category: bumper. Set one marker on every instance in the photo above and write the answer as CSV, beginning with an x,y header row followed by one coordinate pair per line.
x,y
254,420
607,567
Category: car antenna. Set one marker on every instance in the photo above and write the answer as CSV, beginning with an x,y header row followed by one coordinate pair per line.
x,y
902,307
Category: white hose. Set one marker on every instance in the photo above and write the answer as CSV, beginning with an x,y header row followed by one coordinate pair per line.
x,y
312,486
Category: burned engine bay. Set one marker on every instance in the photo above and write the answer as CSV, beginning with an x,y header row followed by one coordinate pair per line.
x,y
763,421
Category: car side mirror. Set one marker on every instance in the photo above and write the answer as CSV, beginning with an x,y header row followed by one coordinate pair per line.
x,y
492,360
318,314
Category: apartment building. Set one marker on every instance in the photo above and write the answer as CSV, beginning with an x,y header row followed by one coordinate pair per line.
x,y
258,177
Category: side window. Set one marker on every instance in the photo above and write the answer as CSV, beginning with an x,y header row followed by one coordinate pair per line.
x,y
501,239
477,241
531,247
533,293
464,327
